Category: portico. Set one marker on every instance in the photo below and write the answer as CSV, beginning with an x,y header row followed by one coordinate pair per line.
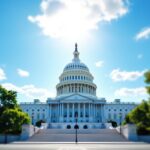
x,y
65,111
76,94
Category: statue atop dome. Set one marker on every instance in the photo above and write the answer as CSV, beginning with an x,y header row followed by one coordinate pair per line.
x,y
76,53
76,47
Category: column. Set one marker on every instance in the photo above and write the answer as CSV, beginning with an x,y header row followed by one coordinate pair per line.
x,y
94,112
74,87
89,110
79,111
84,111
50,110
68,112
101,113
57,118
59,111
62,112
73,112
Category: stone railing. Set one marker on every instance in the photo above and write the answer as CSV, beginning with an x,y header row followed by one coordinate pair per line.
x,y
28,131
129,131
44,125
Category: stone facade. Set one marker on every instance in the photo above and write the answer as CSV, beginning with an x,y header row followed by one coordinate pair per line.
x,y
76,100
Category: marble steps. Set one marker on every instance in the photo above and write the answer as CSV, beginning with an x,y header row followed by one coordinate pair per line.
x,y
105,135
81,131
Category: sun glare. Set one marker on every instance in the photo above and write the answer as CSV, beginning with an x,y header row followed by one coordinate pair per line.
x,y
73,20
70,23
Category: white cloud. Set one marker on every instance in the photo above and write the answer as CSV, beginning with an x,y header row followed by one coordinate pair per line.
x,y
23,73
125,92
66,18
117,75
30,91
99,64
144,34
140,56
2,74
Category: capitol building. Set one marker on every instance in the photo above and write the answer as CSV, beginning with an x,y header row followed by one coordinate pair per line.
x,y
76,101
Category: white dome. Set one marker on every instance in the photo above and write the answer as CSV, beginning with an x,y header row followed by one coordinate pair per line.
x,y
74,65
76,78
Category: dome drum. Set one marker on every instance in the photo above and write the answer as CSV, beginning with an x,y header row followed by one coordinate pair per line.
x,y
76,88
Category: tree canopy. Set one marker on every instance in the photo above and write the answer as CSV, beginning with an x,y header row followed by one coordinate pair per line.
x,y
141,114
147,80
11,121
8,98
11,115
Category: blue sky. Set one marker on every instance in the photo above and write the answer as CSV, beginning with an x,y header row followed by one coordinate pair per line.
x,y
113,40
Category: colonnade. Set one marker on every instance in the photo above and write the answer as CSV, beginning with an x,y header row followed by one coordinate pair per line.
x,y
72,88
68,112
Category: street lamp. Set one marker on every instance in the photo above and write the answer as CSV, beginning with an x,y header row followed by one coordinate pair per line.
x,y
6,132
120,116
76,127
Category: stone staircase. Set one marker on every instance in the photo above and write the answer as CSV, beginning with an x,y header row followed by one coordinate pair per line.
x,y
84,135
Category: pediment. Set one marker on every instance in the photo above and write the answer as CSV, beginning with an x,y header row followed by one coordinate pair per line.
x,y
76,98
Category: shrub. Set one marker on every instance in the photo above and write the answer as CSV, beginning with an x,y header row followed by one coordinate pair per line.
x,y
113,123
39,122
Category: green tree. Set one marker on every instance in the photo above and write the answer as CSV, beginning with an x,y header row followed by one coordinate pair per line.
x,y
141,117
7,98
11,115
12,120
141,114
147,80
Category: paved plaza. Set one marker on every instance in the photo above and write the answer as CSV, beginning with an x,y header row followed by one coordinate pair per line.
x,y
58,146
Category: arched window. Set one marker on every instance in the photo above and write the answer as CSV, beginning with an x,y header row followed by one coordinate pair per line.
x,y
85,127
